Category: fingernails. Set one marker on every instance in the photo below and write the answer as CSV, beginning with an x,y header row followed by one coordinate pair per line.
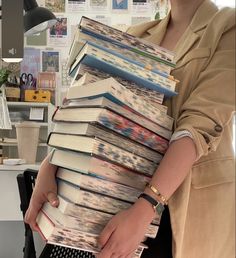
x,y
54,203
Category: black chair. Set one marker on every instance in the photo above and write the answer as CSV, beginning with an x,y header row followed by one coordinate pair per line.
x,y
26,182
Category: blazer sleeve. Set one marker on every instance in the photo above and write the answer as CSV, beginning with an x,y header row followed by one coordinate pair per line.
x,y
211,104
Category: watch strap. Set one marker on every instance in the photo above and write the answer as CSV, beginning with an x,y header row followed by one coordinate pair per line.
x,y
157,206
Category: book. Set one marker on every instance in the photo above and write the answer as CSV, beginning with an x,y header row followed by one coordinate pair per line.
x,y
98,58
88,214
91,165
117,93
99,185
126,40
103,102
150,95
100,148
79,222
114,122
56,234
114,138
85,79
90,199
133,57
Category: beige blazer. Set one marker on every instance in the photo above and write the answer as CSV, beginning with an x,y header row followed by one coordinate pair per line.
x,y
202,210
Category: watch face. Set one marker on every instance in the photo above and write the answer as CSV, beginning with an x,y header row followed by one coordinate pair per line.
x,y
159,208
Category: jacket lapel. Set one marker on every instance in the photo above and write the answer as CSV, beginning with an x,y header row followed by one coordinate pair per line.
x,y
156,30
200,20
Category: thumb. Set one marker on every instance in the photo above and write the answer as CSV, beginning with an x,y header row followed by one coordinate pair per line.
x,y
53,199
106,234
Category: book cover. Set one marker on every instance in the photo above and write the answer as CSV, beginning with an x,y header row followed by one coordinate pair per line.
x,y
103,102
94,166
154,97
112,137
79,222
98,58
115,123
58,235
102,149
99,185
119,94
124,39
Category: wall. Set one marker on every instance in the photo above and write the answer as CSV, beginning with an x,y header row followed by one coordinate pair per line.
x,y
52,46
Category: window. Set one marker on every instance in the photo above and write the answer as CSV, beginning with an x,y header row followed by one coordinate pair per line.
x,y
223,3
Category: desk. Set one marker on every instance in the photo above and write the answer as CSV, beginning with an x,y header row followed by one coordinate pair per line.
x,y
9,194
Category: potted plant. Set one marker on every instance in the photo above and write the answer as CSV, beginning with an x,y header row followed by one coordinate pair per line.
x,y
4,73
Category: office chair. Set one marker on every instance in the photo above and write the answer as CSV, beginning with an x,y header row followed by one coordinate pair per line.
x,y
26,182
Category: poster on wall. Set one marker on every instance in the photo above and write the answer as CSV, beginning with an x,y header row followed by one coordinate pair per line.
x,y
50,61
98,5
65,78
58,33
31,61
39,39
120,6
74,6
141,6
56,6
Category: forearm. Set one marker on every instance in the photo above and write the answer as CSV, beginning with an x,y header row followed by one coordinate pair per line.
x,y
174,166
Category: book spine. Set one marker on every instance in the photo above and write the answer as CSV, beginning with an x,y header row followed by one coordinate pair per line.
x,y
133,131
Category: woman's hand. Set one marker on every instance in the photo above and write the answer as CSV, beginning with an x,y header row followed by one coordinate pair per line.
x,y
45,190
125,231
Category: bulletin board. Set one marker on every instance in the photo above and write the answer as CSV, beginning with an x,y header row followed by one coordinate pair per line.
x,y
48,51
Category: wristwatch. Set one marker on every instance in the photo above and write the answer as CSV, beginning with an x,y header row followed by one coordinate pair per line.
x,y
157,206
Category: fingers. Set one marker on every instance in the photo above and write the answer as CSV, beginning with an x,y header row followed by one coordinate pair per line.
x,y
53,199
31,214
106,234
36,204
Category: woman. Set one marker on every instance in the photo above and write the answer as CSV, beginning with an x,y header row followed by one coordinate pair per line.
x,y
196,175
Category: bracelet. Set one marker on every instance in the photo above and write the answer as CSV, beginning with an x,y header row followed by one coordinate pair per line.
x,y
157,206
156,191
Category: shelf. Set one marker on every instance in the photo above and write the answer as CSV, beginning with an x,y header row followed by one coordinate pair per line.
x,y
15,144
29,104
42,124
22,167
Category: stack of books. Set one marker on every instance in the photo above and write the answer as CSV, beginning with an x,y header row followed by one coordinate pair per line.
x,y
110,134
